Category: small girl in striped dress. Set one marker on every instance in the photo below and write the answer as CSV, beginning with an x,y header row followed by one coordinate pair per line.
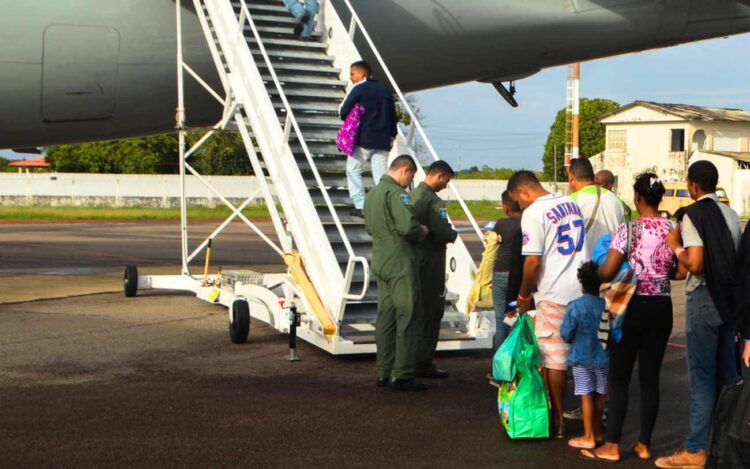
x,y
587,357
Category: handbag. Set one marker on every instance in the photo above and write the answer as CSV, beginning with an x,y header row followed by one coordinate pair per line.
x,y
618,293
346,138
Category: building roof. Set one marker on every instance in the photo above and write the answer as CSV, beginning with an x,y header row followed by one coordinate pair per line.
x,y
735,155
688,112
40,162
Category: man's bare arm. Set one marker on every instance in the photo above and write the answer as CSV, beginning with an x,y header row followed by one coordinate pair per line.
x,y
531,267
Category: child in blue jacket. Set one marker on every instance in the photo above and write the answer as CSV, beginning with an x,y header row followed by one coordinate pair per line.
x,y
587,357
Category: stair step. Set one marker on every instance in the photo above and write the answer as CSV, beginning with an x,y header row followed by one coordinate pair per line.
x,y
355,233
327,150
277,43
315,120
292,80
330,108
281,20
265,8
342,211
302,69
342,255
278,31
311,134
333,179
322,164
338,196
295,56
359,336
309,93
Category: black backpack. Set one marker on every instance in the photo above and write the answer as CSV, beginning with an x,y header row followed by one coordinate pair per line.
x,y
730,433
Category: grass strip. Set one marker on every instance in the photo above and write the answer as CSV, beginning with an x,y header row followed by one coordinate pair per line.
x,y
480,209
123,213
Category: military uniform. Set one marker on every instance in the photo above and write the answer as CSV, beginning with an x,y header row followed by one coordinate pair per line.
x,y
390,220
430,211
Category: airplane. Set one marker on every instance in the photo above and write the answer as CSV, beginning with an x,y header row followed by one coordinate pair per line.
x,y
90,70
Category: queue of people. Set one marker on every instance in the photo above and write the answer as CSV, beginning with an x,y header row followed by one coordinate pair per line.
x,y
558,236
548,263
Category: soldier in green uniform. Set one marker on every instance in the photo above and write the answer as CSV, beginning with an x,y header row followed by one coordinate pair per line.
x,y
390,220
430,211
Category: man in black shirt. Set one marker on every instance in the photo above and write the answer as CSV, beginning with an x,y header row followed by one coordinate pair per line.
x,y
506,281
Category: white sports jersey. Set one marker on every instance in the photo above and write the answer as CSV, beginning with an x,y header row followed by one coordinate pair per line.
x,y
608,214
553,228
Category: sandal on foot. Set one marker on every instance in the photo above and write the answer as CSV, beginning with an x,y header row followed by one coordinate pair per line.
x,y
588,455
577,443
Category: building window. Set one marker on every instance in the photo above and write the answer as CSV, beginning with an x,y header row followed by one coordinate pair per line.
x,y
678,140
669,193
616,140
683,193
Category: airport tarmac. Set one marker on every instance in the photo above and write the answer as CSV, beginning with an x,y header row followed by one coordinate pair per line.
x,y
89,378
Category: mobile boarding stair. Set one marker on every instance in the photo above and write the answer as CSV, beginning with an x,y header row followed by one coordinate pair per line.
x,y
282,94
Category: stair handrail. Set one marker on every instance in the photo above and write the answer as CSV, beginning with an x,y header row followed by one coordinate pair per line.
x,y
291,120
414,119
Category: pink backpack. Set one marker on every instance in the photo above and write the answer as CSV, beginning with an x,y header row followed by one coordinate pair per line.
x,y
346,139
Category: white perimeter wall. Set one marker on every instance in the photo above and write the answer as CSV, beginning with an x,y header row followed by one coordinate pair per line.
x,y
164,190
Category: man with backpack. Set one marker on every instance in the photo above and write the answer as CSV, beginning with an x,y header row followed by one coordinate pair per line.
x,y
377,129
707,246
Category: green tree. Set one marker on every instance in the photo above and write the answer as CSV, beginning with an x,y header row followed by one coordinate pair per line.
x,y
592,135
222,154
4,164
486,173
144,155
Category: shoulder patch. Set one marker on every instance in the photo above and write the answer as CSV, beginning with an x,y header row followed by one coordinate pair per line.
x,y
443,213
406,200
525,239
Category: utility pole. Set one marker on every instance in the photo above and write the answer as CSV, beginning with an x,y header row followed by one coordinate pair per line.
x,y
572,110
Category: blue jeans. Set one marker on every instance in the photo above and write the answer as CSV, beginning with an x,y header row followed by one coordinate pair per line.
x,y
711,363
499,289
297,10
355,165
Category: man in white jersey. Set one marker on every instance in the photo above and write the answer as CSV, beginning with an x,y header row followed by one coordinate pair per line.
x,y
601,209
554,244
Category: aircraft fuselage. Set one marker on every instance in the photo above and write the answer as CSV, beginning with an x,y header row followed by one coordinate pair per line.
x,y
86,70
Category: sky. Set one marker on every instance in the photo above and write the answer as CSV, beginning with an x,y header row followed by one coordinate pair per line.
x,y
471,124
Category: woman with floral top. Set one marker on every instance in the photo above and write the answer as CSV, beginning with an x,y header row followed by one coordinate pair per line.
x,y
648,320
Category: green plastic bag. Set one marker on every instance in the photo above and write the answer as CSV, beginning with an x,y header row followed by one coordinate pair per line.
x,y
504,361
522,401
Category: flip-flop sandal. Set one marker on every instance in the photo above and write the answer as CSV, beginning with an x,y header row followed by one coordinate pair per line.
x,y
573,443
593,457
638,455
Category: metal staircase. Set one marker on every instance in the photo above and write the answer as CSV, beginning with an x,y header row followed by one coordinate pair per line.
x,y
283,94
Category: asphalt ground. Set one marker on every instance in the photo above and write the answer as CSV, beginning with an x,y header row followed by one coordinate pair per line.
x,y
89,378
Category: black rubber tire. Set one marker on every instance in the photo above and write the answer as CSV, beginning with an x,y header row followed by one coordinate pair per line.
x,y
130,281
239,328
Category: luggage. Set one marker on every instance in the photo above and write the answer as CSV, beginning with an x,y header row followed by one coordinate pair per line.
x,y
522,400
480,294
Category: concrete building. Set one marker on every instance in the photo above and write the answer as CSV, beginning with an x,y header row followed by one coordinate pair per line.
x,y
666,138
